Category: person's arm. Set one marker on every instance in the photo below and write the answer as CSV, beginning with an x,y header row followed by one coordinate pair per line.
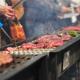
x,y
7,11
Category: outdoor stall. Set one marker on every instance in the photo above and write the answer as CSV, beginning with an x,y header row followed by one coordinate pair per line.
x,y
50,50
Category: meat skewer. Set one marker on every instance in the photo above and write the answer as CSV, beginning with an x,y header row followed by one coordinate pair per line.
x,y
31,52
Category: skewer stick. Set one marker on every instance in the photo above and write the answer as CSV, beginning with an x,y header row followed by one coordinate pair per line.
x,y
18,3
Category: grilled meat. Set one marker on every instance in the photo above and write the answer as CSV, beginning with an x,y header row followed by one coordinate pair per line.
x,y
10,49
55,43
74,28
47,38
5,58
28,46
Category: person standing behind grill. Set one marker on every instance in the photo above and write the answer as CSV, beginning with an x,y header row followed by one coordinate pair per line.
x,y
6,11
78,10
64,7
41,16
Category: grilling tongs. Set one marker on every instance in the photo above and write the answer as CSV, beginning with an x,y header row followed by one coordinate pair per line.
x,y
13,41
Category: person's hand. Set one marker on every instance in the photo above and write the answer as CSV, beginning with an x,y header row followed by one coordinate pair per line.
x,y
7,11
65,9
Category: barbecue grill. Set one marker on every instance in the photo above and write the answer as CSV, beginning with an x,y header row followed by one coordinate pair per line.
x,y
50,60
32,66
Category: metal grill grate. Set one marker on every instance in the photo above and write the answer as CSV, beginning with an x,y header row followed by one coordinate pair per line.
x,y
17,62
